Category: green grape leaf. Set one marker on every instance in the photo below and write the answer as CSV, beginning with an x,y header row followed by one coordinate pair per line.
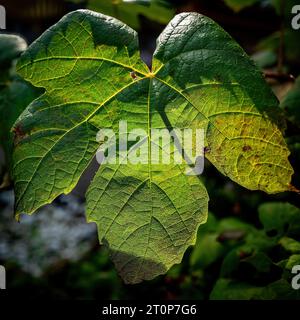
x,y
90,66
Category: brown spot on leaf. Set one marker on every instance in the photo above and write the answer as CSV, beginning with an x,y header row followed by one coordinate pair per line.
x,y
206,149
258,165
246,148
293,189
19,134
133,75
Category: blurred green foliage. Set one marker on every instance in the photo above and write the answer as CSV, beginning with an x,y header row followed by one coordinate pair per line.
x,y
238,5
231,260
129,11
15,93
291,103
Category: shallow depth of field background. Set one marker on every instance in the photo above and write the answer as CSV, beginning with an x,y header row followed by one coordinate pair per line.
x,y
243,252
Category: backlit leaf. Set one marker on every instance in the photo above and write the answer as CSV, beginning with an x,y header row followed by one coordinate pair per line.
x,y
90,67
